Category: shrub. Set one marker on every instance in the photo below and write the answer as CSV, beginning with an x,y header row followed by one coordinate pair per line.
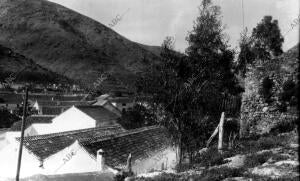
x,y
284,126
254,160
161,177
268,142
217,174
289,93
211,157
266,89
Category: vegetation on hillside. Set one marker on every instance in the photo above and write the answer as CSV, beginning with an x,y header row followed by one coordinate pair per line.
x,y
18,68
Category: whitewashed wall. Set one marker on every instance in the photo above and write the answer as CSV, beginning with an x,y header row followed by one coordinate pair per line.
x,y
73,159
71,119
9,159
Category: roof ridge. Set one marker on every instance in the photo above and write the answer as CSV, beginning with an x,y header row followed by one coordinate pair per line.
x,y
126,133
66,133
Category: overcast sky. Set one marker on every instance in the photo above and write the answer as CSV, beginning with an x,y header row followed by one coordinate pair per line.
x,y
150,21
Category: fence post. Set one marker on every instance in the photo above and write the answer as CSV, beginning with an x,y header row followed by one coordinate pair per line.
x,y
221,124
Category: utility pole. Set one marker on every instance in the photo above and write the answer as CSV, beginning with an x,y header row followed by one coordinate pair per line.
x,y
22,134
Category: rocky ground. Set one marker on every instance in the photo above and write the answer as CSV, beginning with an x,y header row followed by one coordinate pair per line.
x,y
272,157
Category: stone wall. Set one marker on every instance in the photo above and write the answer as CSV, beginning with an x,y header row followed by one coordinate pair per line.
x,y
258,116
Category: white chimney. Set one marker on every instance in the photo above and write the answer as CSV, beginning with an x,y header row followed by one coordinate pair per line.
x,y
100,165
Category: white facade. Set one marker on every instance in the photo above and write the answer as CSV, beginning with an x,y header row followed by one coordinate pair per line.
x,y
74,159
71,119
9,159
8,137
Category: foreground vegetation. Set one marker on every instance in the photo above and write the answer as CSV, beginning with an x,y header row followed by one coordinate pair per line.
x,y
256,153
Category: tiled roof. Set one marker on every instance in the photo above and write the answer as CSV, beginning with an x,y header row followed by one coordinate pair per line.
x,y
50,97
62,103
45,145
99,113
141,143
53,110
31,120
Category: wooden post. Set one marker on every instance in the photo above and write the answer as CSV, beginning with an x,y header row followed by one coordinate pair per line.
x,y
212,136
22,135
128,165
220,142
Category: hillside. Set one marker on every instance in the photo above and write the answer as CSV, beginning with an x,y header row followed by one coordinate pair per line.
x,y
23,69
69,43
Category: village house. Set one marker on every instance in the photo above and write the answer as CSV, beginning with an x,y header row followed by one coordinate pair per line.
x,y
121,103
9,134
102,101
60,143
76,117
101,149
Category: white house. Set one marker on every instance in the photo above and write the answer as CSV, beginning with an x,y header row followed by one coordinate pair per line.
x,y
45,154
76,117
92,150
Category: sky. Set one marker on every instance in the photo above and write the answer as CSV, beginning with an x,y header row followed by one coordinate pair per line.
x,y
150,21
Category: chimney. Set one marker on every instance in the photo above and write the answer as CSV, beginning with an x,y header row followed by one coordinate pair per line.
x,y
100,165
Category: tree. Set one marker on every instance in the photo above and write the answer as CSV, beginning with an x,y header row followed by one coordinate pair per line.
x,y
137,117
208,50
246,55
267,38
6,118
187,89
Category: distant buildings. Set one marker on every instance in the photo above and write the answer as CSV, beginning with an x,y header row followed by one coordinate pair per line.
x,y
74,118
121,103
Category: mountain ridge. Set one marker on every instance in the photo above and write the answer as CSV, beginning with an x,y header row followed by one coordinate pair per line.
x,y
70,43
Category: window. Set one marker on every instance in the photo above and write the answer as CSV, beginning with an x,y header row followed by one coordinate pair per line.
x,y
123,104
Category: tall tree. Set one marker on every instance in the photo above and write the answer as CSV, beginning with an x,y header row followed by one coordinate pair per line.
x,y
188,88
208,49
267,38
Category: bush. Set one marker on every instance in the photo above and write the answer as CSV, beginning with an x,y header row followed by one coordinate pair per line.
x,y
266,89
268,142
6,118
211,157
161,177
284,126
217,174
289,93
137,117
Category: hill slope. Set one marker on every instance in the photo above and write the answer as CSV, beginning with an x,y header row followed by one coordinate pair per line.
x,y
21,69
69,43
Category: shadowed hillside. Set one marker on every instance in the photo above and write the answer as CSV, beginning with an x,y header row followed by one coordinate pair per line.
x,y
22,69
69,43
